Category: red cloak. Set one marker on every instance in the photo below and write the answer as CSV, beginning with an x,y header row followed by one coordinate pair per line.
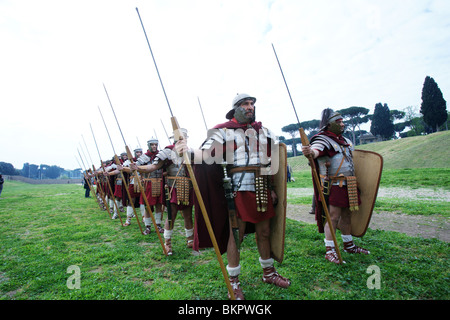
x,y
210,182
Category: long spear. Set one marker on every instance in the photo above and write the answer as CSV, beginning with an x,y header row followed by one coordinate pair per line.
x,y
83,154
107,181
95,177
137,178
202,113
116,159
87,179
305,142
139,144
165,131
99,184
176,129
87,149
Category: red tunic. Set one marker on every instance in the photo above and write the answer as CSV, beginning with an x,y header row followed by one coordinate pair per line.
x,y
245,203
210,182
148,186
338,196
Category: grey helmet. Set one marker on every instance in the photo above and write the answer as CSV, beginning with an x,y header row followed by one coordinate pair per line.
x,y
152,140
329,117
237,100
138,149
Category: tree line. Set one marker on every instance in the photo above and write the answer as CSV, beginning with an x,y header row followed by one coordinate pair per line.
x,y
42,171
385,124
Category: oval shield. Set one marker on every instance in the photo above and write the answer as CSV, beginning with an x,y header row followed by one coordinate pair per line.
x,y
278,223
368,169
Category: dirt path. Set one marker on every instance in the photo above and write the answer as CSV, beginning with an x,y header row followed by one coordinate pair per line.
x,y
416,226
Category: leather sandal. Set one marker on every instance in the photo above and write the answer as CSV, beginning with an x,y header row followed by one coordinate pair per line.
x,y
331,255
350,247
270,275
168,246
147,230
235,285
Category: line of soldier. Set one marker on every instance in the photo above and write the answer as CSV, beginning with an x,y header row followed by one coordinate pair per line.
x,y
167,184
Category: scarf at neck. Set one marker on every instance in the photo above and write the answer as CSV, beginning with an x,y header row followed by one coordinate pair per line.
x,y
234,124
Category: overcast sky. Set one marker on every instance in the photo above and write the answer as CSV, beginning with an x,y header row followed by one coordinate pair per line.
x,y
56,55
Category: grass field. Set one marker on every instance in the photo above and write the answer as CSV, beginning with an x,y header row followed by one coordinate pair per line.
x,y
46,230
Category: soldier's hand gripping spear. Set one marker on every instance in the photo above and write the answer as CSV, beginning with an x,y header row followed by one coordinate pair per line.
x,y
305,142
178,135
137,178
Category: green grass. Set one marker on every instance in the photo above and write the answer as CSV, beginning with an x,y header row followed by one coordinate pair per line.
x,y
430,151
413,163
413,207
44,229
434,178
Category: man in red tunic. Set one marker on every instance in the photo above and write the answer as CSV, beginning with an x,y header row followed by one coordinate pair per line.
x,y
245,145
153,186
133,188
118,185
180,187
334,161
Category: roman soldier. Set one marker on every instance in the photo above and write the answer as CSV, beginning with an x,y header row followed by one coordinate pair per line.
x,y
117,184
87,183
153,183
104,183
180,192
133,188
104,179
333,154
243,146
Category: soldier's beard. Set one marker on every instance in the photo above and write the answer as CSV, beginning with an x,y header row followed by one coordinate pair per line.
x,y
243,116
335,128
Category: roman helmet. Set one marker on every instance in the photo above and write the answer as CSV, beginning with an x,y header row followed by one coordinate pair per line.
x,y
329,117
149,142
237,100
138,149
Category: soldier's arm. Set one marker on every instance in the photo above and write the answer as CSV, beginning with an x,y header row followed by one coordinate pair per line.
x,y
309,150
147,168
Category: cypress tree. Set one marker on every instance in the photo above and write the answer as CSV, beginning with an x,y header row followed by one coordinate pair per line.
x,y
382,123
433,107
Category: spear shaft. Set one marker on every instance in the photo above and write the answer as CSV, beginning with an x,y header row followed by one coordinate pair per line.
x,y
109,184
157,71
107,179
99,183
86,176
202,113
305,142
95,177
138,180
176,129
165,131
87,149
116,159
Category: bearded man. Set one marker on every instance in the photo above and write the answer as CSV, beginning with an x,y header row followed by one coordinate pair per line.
x,y
243,146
